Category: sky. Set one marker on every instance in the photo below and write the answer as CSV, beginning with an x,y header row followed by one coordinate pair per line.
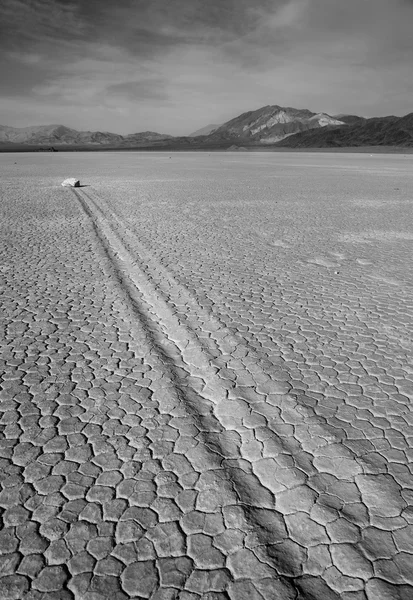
x,y
174,66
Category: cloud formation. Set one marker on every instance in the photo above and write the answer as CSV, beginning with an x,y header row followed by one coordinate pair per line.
x,y
172,66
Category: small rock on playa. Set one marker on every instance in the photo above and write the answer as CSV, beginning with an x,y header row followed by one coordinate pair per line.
x,y
71,182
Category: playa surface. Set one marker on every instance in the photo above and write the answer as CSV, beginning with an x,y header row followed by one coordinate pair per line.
x,y
207,376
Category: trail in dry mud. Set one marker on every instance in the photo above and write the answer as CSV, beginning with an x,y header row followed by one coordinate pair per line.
x,y
310,479
149,450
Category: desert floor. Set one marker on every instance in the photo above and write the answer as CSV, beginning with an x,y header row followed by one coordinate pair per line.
x,y
207,376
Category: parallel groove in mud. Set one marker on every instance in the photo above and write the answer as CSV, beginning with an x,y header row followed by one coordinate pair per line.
x,y
174,424
250,491
265,399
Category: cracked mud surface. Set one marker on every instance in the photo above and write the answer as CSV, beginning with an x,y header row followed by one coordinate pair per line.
x,y
207,377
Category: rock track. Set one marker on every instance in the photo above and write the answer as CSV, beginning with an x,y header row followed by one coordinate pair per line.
x,y
149,451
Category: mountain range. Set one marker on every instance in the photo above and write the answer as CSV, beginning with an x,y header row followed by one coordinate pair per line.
x,y
61,135
269,126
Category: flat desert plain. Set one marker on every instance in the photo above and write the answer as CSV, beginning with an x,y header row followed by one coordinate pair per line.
x,y
207,376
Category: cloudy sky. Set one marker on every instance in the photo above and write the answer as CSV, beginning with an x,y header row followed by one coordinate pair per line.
x,y
173,66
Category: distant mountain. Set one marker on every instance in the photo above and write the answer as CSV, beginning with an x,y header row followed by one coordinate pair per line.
x,y
205,130
271,124
145,136
350,119
378,131
275,126
59,134
56,134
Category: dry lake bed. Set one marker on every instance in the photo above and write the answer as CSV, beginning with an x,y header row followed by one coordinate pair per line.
x,y
207,376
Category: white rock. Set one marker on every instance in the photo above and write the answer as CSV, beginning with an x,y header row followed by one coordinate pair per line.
x,y
71,182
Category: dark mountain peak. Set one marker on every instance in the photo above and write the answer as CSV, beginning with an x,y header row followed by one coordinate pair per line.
x,y
376,131
205,130
148,134
349,119
406,120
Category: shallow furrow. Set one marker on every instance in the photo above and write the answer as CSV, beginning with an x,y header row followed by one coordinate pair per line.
x,y
290,465
254,374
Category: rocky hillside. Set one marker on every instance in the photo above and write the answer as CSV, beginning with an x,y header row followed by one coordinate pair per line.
x,y
350,119
271,124
144,137
54,135
380,131
205,130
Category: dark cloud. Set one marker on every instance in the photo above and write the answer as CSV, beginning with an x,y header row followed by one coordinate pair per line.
x,y
151,28
19,73
135,91
188,62
140,25
35,24
182,17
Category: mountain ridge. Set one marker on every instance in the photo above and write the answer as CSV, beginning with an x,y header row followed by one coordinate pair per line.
x,y
272,126
376,131
60,134
265,125
205,130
